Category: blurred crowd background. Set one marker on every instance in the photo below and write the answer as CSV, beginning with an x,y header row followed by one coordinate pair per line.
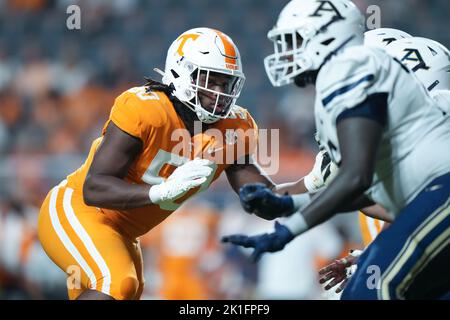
x,y
56,90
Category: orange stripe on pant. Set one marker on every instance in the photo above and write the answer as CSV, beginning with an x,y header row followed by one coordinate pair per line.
x,y
370,228
78,237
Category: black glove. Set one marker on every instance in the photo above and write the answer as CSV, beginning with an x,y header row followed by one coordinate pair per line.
x,y
257,198
267,242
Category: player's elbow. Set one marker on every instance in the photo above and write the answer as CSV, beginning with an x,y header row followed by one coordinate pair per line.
x,y
359,180
89,190
363,182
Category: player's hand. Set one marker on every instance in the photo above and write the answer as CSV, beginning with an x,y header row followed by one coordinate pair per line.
x,y
322,174
257,198
339,272
188,176
267,242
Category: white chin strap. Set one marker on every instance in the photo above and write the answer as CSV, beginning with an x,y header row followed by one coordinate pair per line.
x,y
203,117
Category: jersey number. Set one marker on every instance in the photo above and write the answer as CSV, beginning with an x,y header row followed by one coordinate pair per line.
x,y
162,158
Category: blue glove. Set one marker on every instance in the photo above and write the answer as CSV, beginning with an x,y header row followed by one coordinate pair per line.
x,y
267,242
257,198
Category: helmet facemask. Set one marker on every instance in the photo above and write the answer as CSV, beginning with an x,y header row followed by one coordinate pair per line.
x,y
293,57
288,59
307,34
212,93
216,93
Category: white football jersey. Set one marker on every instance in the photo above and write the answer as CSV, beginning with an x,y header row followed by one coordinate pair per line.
x,y
442,97
415,146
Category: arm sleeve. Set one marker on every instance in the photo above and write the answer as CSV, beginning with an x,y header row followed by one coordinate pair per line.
x,y
125,114
136,116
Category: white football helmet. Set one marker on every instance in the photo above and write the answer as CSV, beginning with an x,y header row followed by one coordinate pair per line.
x,y
428,59
191,59
309,32
382,37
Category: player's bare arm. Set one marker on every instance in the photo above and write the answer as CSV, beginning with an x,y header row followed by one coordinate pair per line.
x,y
321,174
248,172
323,171
248,180
359,139
294,196
105,186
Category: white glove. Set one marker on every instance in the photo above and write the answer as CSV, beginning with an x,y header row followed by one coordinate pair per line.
x,y
322,174
190,175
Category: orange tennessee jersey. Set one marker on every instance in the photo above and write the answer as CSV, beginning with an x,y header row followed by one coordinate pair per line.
x,y
151,117
370,228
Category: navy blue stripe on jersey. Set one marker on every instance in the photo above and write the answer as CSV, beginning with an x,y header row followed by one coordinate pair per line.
x,y
346,88
374,107
409,260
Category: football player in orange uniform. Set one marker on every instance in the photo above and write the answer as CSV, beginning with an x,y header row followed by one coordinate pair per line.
x,y
151,157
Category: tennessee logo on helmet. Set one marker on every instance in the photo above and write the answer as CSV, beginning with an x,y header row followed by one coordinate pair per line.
x,y
184,38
